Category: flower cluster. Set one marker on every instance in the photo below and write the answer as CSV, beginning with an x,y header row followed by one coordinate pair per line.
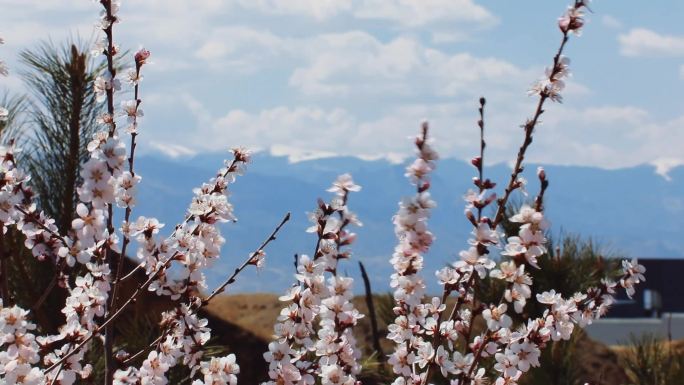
x,y
183,337
427,342
86,302
19,349
552,84
521,349
182,340
633,274
573,19
430,339
196,242
413,318
18,209
219,371
294,330
301,352
530,242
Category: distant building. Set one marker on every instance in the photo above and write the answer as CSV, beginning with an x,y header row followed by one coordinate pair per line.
x,y
663,291
657,307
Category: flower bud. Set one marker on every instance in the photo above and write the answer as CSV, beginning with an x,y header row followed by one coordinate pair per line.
x,y
541,173
141,56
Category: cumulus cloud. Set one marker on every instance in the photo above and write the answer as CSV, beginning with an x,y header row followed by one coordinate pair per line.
x,y
317,9
300,129
607,115
240,48
608,136
409,13
443,37
356,61
316,78
421,12
644,42
307,132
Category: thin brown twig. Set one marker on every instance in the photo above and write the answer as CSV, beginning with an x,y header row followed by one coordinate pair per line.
x,y
142,351
247,262
483,144
59,370
373,316
529,129
127,214
109,253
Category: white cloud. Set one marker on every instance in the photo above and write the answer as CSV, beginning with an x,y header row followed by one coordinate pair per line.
x,y
609,137
354,63
299,130
443,37
611,22
644,42
239,47
409,13
317,9
421,12
614,115
573,88
172,150
307,132
357,62
358,83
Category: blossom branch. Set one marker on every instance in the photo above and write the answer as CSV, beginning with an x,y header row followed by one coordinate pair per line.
x,y
239,158
548,89
111,318
109,19
128,181
479,161
251,260
4,290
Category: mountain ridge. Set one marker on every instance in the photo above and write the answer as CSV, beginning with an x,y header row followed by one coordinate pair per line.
x,y
631,211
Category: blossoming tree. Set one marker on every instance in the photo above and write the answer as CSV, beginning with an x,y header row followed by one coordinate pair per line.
x,y
313,337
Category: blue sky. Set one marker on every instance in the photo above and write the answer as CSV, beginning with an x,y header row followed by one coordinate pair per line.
x,y
311,78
